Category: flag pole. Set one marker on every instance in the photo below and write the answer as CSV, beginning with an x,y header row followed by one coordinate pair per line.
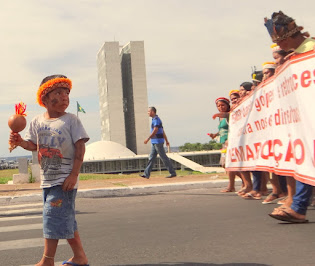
x,y
77,110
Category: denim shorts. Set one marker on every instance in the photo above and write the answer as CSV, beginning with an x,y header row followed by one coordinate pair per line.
x,y
59,213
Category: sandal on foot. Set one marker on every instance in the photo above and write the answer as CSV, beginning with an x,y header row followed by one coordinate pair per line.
x,y
272,198
282,201
287,217
226,190
252,196
240,191
74,264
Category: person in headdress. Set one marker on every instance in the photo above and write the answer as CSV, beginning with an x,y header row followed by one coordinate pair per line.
x,y
59,138
269,69
284,31
289,36
257,77
234,97
279,55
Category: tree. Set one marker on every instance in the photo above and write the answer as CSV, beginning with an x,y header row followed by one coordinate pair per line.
x,y
211,145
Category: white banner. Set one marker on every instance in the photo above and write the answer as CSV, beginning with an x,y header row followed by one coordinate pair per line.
x,y
274,129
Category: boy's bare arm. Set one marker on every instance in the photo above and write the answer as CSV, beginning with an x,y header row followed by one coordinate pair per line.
x,y
71,180
16,139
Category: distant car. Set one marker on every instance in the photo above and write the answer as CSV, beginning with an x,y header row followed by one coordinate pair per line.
x,y
12,165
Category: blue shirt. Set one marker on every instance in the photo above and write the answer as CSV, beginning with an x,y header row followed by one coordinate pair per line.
x,y
158,138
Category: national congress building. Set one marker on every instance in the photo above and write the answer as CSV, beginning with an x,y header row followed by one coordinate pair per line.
x,y
123,95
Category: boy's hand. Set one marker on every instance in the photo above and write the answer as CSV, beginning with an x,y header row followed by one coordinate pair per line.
x,y
15,139
69,182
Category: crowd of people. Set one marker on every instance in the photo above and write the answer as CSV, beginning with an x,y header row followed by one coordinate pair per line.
x,y
293,196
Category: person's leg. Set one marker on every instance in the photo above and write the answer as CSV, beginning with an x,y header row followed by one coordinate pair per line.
x,y
51,242
283,184
231,185
277,192
152,157
248,186
257,175
265,177
301,198
79,256
291,186
49,253
276,189
297,211
160,149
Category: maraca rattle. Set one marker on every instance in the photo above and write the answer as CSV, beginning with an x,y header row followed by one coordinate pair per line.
x,y
17,122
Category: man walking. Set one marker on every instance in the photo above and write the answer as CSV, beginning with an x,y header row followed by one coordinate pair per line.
x,y
157,140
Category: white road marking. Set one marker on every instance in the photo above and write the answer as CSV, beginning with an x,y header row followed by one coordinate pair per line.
x,y
23,227
21,211
20,206
26,243
15,218
56,263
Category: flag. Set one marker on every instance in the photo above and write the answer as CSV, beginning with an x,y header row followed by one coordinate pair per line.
x,y
79,108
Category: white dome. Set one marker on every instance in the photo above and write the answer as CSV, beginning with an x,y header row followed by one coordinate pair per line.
x,y
103,150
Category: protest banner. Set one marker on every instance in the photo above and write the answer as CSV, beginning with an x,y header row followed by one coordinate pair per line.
x,y
274,129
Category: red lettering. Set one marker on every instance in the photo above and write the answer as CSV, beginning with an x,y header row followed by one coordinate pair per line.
x,y
257,148
305,78
257,105
296,143
250,154
294,76
240,154
233,160
289,154
277,142
269,151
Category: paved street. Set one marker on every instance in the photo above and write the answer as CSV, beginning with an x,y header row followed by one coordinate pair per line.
x,y
192,227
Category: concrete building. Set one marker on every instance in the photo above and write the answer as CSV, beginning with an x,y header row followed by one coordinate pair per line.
x,y
123,95
111,94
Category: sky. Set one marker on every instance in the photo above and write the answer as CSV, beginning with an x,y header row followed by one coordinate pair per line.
x,y
195,52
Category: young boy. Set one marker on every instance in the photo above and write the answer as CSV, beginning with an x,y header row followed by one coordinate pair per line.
x,y
59,138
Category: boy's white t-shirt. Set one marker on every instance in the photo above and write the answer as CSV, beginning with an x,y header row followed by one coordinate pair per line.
x,y
55,139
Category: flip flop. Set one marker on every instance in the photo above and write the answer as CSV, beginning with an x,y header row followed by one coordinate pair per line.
x,y
287,217
282,201
274,200
74,264
251,196
226,190
240,191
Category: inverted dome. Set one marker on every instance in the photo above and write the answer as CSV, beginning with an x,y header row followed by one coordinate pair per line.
x,y
103,150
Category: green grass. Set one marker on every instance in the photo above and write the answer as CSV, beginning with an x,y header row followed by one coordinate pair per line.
x,y
7,175
134,175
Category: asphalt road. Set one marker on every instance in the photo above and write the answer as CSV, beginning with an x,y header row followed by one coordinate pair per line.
x,y
193,227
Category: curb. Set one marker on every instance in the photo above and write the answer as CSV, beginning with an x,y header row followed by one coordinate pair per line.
x,y
125,191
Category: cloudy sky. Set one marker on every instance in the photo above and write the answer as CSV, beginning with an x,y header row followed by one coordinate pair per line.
x,y
196,51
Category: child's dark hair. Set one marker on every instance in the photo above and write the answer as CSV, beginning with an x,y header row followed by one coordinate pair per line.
x,y
52,77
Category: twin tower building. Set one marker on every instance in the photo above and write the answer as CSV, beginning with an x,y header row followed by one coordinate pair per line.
x,y
123,95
